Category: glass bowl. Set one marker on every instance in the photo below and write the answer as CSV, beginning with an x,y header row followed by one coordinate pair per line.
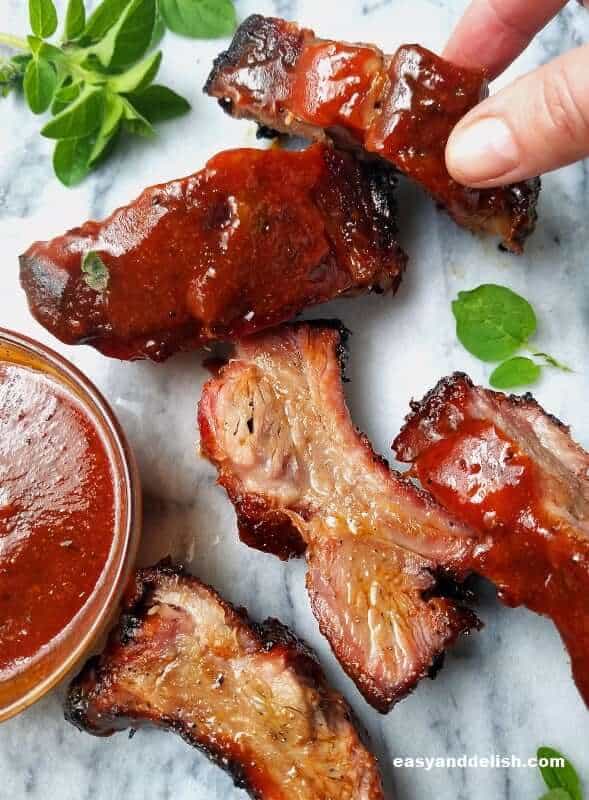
x,y
84,631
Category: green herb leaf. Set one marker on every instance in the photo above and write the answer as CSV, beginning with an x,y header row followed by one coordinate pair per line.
x,y
71,160
517,371
75,19
129,37
138,77
159,29
95,271
79,119
39,84
492,322
12,72
201,19
103,18
135,122
158,103
113,114
65,96
50,53
43,18
556,794
564,777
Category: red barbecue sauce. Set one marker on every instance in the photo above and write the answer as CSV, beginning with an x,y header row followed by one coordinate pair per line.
x,y
336,84
57,512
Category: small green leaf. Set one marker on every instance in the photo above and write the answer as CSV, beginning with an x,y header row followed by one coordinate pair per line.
x,y
517,371
113,113
159,29
135,122
95,272
564,777
75,19
43,18
35,44
556,794
129,37
51,53
79,119
65,96
12,73
71,160
158,103
138,77
492,322
39,84
103,18
200,19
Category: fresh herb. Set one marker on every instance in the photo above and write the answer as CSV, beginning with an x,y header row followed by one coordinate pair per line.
x,y
515,372
563,782
493,323
201,19
97,83
43,18
12,73
95,272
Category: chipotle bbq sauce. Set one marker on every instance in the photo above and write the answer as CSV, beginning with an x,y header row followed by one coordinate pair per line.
x,y
57,512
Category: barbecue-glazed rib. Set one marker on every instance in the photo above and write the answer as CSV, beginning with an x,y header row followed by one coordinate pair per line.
x,y
401,107
512,471
250,696
275,424
244,244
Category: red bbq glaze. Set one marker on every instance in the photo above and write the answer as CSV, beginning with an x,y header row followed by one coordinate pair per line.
x,y
57,513
512,472
336,84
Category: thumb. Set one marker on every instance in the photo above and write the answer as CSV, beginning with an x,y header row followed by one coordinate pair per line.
x,y
539,123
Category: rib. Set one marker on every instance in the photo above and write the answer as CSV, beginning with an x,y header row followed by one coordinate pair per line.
x,y
301,477
252,697
401,107
244,244
513,472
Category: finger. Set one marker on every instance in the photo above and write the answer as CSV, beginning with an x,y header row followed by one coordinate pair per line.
x,y
492,33
539,123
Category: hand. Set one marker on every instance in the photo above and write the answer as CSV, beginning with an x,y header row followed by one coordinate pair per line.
x,y
538,123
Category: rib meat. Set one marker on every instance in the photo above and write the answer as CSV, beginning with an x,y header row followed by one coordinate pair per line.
x,y
244,244
301,477
250,696
400,107
512,471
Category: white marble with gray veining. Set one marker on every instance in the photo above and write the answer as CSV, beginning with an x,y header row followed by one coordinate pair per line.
x,y
505,690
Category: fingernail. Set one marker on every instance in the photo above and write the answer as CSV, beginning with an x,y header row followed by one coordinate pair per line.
x,y
482,151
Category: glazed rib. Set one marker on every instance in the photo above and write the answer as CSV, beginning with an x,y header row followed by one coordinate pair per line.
x,y
301,477
250,696
400,107
513,472
244,244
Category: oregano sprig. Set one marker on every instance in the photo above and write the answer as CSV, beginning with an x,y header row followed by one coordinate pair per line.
x,y
98,81
563,782
493,323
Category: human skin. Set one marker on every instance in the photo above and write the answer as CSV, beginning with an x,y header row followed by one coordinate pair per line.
x,y
538,123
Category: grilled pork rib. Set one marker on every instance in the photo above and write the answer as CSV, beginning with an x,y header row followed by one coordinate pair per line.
x,y
244,244
301,477
250,696
401,107
511,471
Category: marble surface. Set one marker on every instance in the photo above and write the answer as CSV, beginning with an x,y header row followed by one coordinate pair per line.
x,y
505,690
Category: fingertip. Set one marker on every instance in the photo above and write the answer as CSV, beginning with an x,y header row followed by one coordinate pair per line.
x,y
482,152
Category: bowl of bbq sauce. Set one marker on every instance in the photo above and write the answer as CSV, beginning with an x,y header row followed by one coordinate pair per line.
x,y
70,515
